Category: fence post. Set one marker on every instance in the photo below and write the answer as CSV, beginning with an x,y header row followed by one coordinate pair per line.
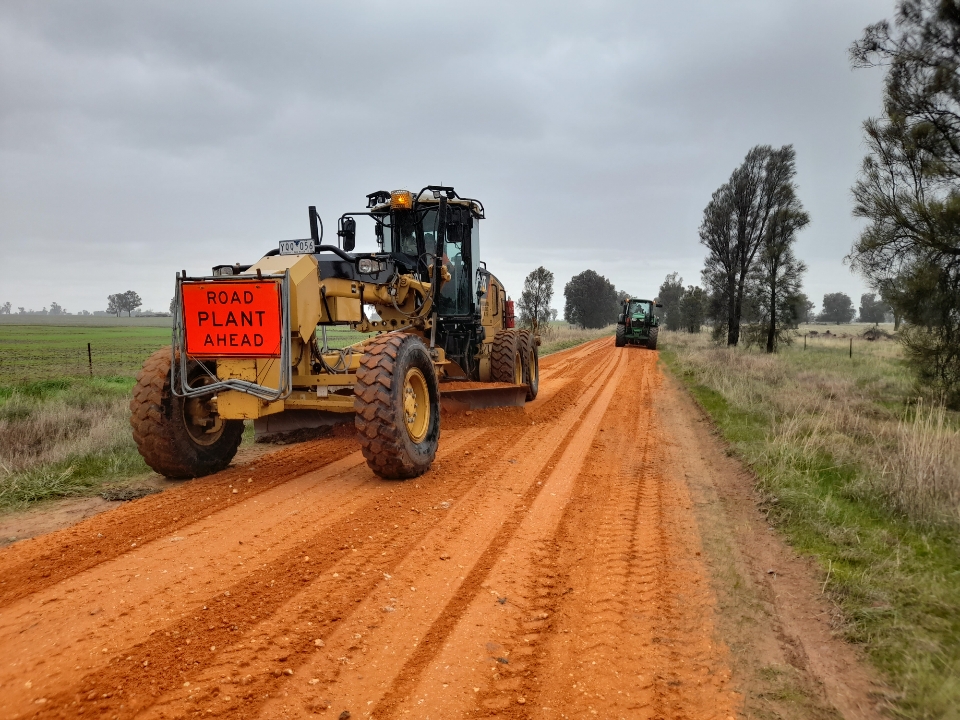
x,y
851,348
804,341
90,359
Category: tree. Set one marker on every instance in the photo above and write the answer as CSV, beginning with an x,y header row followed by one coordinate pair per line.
x,y
779,273
123,302
800,308
21,311
591,300
872,309
837,308
909,186
735,223
693,309
57,309
534,302
5,308
670,296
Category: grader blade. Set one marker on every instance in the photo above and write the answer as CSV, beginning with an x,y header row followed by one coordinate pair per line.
x,y
491,395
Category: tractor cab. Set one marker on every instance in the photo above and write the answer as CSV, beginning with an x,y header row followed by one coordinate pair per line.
x,y
638,310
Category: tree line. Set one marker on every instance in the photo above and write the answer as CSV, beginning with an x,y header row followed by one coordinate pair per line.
x,y
118,303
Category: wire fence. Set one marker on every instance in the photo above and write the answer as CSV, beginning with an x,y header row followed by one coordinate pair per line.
x,y
35,362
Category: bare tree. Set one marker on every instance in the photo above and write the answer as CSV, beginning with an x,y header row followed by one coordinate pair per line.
x,y
5,308
736,220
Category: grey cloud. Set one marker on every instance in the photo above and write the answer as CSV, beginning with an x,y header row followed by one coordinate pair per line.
x,y
145,137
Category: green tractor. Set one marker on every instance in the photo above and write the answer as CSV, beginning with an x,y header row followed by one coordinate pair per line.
x,y
637,324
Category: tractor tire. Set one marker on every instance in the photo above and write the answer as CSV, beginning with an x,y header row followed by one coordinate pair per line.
x,y
652,338
506,360
397,406
169,442
620,339
531,364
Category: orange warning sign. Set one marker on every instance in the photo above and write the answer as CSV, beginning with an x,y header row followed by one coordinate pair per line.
x,y
235,319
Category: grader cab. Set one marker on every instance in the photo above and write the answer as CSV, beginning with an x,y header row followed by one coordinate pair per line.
x,y
250,341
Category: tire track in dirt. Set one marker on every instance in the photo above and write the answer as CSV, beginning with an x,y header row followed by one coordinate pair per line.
x,y
38,563
266,600
458,626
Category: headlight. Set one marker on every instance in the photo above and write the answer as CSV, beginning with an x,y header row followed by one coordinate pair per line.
x,y
366,266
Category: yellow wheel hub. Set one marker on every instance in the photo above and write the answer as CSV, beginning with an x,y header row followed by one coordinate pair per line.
x,y
534,371
416,404
517,370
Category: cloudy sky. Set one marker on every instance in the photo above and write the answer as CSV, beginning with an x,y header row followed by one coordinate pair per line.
x,y
140,138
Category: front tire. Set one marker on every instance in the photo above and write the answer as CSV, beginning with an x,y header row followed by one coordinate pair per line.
x,y
621,336
652,338
397,406
531,364
178,437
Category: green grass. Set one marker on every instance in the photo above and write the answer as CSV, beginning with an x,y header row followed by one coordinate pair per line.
x,y
895,579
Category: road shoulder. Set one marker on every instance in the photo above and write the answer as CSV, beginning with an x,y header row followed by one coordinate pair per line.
x,y
771,613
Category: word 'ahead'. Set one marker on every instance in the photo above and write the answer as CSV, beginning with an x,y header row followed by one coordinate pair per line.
x,y
232,319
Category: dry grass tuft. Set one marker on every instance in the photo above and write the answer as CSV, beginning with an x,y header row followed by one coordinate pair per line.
x,y
922,478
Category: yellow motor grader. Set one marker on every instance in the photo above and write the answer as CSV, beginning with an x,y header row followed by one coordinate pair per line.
x,y
250,341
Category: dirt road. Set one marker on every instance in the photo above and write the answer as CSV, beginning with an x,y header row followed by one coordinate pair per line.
x,y
550,565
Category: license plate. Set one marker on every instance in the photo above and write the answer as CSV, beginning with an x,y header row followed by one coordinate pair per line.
x,y
297,247
235,319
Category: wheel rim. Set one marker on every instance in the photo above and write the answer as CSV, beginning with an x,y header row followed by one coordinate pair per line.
x,y
204,426
517,369
416,404
534,370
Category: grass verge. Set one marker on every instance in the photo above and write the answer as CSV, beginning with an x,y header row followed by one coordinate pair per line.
x,y
823,432
63,437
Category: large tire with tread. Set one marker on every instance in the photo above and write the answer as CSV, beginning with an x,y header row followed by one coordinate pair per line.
x,y
652,338
531,363
168,440
506,360
397,406
620,339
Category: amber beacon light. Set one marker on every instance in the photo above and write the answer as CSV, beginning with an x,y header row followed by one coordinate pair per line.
x,y
401,199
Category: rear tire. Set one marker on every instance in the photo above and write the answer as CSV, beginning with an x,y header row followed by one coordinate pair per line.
x,y
621,336
166,438
652,338
506,360
397,406
531,364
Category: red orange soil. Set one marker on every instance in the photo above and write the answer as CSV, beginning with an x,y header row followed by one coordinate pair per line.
x,y
588,555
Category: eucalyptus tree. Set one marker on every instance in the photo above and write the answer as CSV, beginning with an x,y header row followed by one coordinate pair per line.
x,y
909,185
736,223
